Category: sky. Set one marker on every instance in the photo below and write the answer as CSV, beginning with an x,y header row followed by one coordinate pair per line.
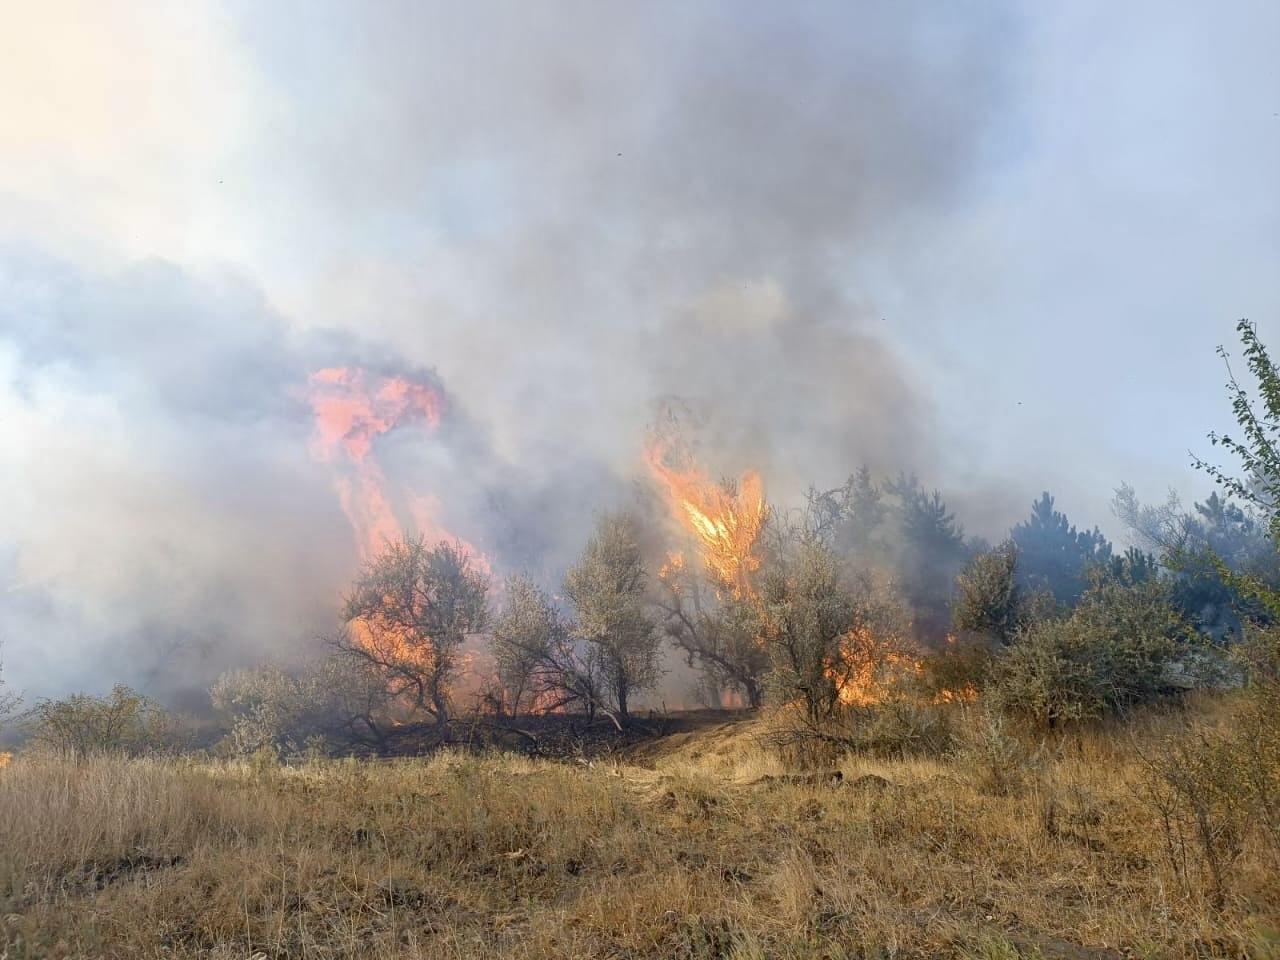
x,y
995,244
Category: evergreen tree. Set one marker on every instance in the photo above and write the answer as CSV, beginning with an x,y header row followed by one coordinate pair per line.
x,y
934,552
1054,555
1203,550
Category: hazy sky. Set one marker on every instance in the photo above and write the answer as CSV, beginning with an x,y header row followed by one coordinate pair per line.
x,y
993,243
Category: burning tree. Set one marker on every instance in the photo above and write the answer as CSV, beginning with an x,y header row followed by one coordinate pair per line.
x,y
408,614
833,643
725,519
607,589
712,609
719,631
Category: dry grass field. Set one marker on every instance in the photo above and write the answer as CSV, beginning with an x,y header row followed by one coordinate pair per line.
x,y
682,848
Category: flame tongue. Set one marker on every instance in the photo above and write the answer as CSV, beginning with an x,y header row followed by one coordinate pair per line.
x,y
352,409
724,519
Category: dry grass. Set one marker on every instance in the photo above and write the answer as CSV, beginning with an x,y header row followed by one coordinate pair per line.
x,y
673,854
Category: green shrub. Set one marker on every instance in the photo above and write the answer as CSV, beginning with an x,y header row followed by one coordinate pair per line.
x,y
336,703
81,725
988,602
1115,650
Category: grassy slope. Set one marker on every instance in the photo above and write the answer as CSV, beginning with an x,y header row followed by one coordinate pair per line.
x,y
673,854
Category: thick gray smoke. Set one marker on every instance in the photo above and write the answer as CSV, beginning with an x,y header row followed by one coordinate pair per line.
x,y
562,212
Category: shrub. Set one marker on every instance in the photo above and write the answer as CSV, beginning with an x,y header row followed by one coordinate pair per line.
x,y
900,727
1116,649
988,602
999,763
959,671
81,725
1049,675
1192,785
1256,737
338,703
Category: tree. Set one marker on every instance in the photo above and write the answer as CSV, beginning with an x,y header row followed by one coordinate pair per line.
x,y
717,631
1255,445
522,636
934,552
1196,546
896,526
607,588
1054,555
989,603
807,612
852,517
1132,567
536,653
408,614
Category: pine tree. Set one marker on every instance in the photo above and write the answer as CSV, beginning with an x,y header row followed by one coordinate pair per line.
x,y
1054,555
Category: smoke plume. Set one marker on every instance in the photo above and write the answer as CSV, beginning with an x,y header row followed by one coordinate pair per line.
x,y
549,218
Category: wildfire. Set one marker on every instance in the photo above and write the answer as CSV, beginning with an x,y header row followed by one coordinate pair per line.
x,y
725,519
352,409
966,694
869,672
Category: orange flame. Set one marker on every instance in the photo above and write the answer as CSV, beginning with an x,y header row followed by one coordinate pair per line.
x,y
966,694
353,409
725,519
869,672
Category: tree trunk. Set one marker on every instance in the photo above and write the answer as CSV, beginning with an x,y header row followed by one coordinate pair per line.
x,y
620,689
440,703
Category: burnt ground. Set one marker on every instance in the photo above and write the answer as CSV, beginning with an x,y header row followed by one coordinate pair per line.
x,y
569,736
